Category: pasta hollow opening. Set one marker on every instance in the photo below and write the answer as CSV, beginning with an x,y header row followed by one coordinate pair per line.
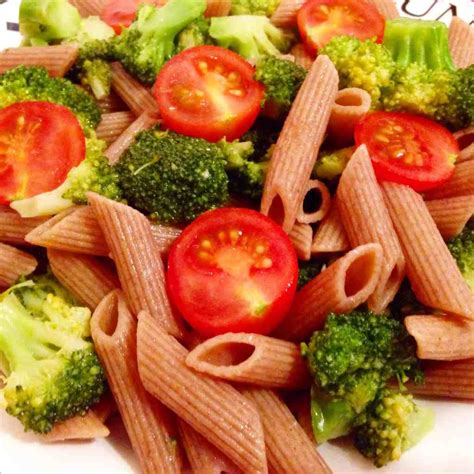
x,y
277,210
228,354
108,325
359,274
466,140
313,201
349,100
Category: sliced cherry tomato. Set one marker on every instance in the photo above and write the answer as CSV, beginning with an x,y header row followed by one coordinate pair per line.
x,y
321,20
39,143
232,270
208,92
408,149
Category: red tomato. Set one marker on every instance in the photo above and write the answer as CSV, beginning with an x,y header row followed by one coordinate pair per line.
x,y
408,149
39,143
208,92
232,270
321,20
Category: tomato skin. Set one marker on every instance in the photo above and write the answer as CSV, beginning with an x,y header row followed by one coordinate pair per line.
x,y
202,101
215,298
420,154
39,143
321,20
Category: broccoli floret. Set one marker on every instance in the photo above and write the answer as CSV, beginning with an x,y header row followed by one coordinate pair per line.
x,y
96,75
331,164
282,80
172,177
52,370
195,34
394,424
263,134
33,83
149,41
464,96
462,249
92,29
254,7
307,271
250,36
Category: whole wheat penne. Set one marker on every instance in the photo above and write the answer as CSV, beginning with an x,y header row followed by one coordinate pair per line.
x,y
125,139
300,406
57,60
340,288
387,8
460,184
451,214
203,457
330,235
302,237
465,139
112,103
89,7
300,139
13,227
135,95
251,358
461,42
218,8
13,264
323,207
137,258
350,106
86,277
289,450
432,271
301,55
147,422
105,408
442,337
366,219
113,124
213,408
285,14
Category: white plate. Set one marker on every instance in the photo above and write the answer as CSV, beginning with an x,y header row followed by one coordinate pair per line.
x,y
449,448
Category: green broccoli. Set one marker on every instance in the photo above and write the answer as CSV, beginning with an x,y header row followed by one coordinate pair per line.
x,y
250,36
307,271
462,249
144,47
92,29
254,7
263,134
52,370
393,425
195,34
97,76
331,164
282,80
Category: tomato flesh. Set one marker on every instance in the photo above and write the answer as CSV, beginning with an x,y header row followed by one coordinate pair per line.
x,y
232,270
408,149
321,20
39,143
208,92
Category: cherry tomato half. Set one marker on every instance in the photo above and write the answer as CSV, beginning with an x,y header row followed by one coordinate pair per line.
x,y
321,20
39,143
208,92
408,149
232,270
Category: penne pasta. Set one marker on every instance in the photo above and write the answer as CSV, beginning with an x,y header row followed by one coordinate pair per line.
x,y
213,408
442,337
432,271
105,408
113,124
465,139
89,7
302,57
289,450
366,219
86,277
451,214
304,217
137,258
387,8
218,8
461,42
300,406
331,235
460,184
251,358
340,288
112,103
350,106
13,264
14,228
57,60
302,238
147,422
301,137
285,14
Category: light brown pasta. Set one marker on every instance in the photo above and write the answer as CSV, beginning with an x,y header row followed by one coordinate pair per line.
x,y
300,406
350,106
147,422
289,450
113,124
318,214
137,258
366,219
451,214
341,287
105,408
300,139
13,227
135,95
442,337
126,138
461,42
460,184
302,237
387,8
285,15
13,264
112,103
465,139
218,8
302,57
213,408
89,7
330,235
251,358
432,271
57,60
86,277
